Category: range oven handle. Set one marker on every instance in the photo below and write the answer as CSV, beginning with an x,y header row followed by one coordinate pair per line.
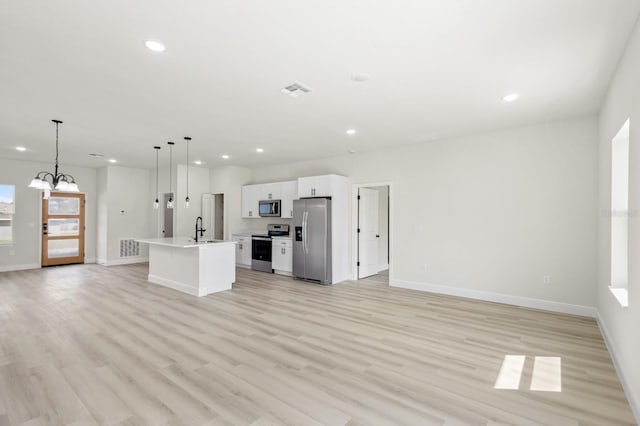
x,y
261,238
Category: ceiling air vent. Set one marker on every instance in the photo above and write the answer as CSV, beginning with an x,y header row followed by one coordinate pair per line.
x,y
296,89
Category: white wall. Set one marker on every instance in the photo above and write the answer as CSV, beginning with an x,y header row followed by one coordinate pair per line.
x,y
126,207
620,324
383,225
129,208
228,181
25,252
199,182
102,215
493,212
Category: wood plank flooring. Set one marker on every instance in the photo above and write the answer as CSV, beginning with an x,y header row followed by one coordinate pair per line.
x,y
88,345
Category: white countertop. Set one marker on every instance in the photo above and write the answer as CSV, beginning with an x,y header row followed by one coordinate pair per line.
x,y
244,233
182,242
288,237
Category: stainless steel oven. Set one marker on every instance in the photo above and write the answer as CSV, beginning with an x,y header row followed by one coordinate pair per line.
x,y
261,253
261,247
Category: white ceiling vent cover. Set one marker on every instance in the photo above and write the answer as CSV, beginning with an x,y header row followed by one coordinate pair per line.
x,y
296,89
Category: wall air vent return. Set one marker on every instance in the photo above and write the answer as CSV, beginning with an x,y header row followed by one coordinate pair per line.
x,y
296,89
129,248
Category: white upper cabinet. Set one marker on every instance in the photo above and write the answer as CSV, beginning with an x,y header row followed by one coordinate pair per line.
x,y
286,192
269,191
289,192
316,186
250,198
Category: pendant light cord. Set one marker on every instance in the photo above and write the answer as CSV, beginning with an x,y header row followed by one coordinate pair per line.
x,y
187,167
187,139
170,167
157,149
56,168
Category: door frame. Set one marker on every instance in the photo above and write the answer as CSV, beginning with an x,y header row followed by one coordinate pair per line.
x,y
82,231
354,225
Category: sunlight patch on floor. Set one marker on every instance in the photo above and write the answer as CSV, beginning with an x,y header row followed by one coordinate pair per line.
x,y
510,372
546,375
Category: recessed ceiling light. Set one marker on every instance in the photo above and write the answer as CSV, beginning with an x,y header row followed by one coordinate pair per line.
x,y
21,148
352,151
360,77
351,131
225,156
259,150
113,160
156,46
510,97
197,162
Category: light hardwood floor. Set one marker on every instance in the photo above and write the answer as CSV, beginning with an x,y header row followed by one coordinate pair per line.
x,y
88,344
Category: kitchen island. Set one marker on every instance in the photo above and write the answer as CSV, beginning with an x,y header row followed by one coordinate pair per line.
x,y
194,268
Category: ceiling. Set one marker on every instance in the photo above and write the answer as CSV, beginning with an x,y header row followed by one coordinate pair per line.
x,y
435,68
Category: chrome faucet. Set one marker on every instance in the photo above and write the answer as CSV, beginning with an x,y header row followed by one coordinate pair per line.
x,y
201,229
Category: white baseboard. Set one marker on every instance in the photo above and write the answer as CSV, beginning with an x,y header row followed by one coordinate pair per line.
x,y
173,284
89,260
383,267
288,274
127,261
616,363
239,265
9,268
547,305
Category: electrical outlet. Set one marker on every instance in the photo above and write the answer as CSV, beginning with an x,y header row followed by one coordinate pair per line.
x,y
546,279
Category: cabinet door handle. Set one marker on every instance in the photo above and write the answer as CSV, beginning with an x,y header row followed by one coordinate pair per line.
x,y
292,213
250,213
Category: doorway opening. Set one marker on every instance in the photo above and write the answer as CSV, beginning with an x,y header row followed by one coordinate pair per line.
x,y
167,216
62,229
372,231
213,216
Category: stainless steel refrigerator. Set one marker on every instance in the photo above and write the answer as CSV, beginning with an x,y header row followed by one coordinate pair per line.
x,y
312,240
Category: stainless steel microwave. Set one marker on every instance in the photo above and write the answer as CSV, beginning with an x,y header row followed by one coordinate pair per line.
x,y
269,208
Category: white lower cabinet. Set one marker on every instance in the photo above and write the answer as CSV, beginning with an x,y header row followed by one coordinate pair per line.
x,y
243,250
282,256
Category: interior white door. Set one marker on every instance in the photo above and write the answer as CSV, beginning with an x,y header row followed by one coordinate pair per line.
x,y
369,236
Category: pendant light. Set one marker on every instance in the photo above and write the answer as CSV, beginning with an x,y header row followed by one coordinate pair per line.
x,y
59,181
187,201
170,202
156,204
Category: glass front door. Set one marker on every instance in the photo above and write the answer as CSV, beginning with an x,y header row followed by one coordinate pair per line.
x,y
63,229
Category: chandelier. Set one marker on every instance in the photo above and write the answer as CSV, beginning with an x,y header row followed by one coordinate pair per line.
x,y
58,181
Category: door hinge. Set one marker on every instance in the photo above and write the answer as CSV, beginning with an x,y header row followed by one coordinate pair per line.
x,y
358,264
358,197
358,230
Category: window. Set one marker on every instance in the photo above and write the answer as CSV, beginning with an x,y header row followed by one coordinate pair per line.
x,y
7,211
620,214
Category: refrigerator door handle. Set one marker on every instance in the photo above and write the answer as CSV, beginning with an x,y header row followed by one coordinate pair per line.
x,y
305,224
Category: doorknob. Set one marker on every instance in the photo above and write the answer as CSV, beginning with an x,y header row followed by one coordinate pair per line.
x,y
377,236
